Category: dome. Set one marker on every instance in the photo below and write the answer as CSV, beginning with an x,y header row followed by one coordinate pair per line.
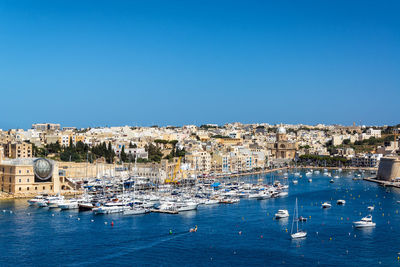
x,y
43,168
281,130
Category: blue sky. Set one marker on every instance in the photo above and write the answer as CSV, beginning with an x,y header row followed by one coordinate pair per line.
x,y
95,63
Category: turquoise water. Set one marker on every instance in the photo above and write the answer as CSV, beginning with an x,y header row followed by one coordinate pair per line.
x,y
33,236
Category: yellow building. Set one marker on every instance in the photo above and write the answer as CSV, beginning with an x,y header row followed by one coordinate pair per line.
x,y
18,150
29,176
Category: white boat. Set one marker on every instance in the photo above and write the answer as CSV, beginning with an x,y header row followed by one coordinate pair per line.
x,y
211,202
295,182
336,176
281,214
136,211
42,203
34,201
282,194
112,207
371,208
297,174
69,205
341,202
326,205
264,195
365,222
53,202
310,180
308,174
316,172
187,206
298,233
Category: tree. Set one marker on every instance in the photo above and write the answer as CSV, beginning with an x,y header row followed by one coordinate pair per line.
x,y
123,155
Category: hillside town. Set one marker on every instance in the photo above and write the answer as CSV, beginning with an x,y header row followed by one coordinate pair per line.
x,y
197,151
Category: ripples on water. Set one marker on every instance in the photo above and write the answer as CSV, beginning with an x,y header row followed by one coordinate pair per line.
x,y
53,237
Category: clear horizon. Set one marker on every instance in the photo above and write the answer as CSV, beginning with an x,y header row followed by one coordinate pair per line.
x,y
93,63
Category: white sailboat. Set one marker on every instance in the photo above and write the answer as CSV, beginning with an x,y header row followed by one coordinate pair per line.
x,y
298,233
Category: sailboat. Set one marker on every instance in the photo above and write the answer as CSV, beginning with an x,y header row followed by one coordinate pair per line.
x,y
298,233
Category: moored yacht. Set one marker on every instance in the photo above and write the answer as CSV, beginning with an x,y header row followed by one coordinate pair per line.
x,y
326,205
341,202
34,201
364,222
136,211
281,214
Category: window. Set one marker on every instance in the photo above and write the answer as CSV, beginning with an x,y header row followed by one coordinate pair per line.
x,y
27,171
10,179
27,180
51,187
27,189
19,180
44,187
35,187
19,189
19,171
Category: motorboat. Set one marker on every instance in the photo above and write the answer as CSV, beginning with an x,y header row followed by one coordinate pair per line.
x,y
111,207
281,214
86,206
136,211
186,206
282,194
336,176
331,181
295,182
35,200
302,219
371,208
364,222
211,202
69,205
310,180
53,202
326,205
316,172
309,173
341,202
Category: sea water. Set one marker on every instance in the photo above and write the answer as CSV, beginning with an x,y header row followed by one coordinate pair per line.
x,y
243,234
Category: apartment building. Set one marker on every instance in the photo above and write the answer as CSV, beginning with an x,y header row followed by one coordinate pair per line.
x,y
17,150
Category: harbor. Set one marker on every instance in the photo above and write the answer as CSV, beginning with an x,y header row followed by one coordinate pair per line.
x,y
241,234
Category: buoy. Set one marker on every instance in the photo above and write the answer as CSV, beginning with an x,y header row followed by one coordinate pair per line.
x,y
105,222
261,236
52,215
170,231
112,223
92,220
240,232
10,211
78,219
70,216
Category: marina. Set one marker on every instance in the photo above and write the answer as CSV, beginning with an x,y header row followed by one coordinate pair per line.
x,y
241,233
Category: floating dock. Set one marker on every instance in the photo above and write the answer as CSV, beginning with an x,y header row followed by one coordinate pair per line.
x,y
165,211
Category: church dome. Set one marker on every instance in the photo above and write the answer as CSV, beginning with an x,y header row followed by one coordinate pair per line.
x,y
281,130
